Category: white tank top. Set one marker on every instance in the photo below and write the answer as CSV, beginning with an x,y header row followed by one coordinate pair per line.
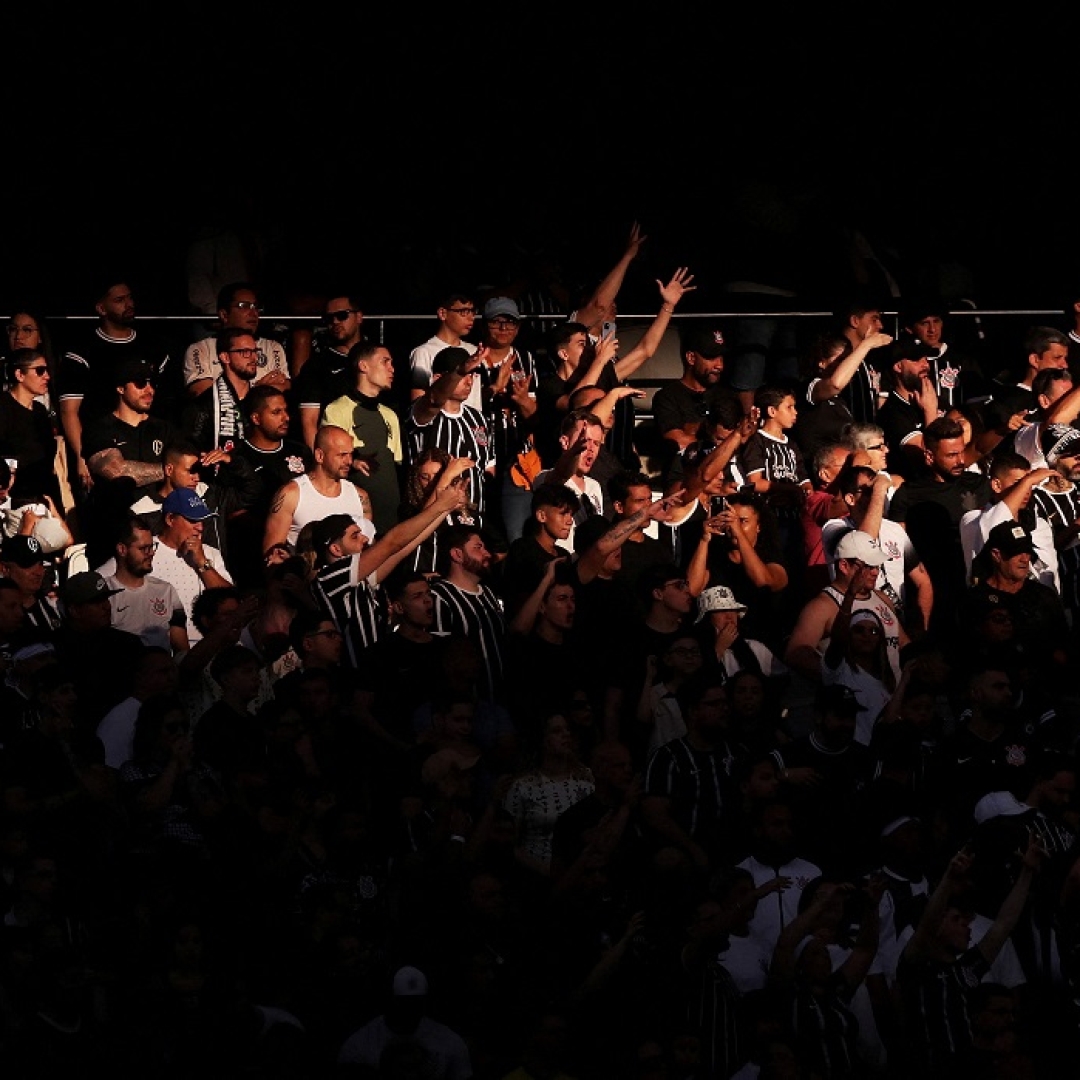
x,y
312,506
889,622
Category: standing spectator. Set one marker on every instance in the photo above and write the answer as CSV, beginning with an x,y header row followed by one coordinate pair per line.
x,y
955,373
1056,501
581,437
508,393
238,308
858,562
325,375
375,430
535,799
824,774
902,574
456,313
325,489
215,420
465,603
1043,347
441,416
87,382
859,322
831,363
930,508
911,405
688,781
939,966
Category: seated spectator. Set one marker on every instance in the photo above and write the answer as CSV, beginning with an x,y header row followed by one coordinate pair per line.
x,y
143,604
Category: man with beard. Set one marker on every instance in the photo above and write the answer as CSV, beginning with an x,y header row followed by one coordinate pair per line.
x,y
680,408
930,507
216,419
911,405
237,307
272,460
145,605
465,605
87,382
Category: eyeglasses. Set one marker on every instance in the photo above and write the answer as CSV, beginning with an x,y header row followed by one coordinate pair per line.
x,y
878,446
38,371
681,583
335,633
247,354
14,330
248,305
340,315
466,311
145,547
503,324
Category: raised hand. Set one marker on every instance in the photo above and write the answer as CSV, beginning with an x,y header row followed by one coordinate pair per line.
x,y
677,287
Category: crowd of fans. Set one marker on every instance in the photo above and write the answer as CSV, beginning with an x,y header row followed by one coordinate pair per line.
x,y
429,715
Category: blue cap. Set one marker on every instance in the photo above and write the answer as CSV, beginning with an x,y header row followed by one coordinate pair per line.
x,y
187,504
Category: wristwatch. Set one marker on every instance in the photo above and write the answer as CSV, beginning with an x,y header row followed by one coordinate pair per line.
x,y
208,565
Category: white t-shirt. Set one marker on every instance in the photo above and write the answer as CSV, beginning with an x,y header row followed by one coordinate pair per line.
x,y
201,359
896,546
169,567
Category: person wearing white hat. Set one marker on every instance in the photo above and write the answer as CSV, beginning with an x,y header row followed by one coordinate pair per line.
x,y
858,561
722,613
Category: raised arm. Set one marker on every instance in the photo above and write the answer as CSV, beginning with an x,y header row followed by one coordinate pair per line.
x,y
645,349
382,556
596,309
429,404
829,386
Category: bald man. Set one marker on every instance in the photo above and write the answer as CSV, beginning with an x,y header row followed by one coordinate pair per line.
x,y
323,490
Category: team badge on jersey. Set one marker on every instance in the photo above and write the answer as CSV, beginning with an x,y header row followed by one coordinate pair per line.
x,y
949,377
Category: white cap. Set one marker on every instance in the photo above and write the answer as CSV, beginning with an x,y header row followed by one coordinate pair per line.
x,y
856,545
998,804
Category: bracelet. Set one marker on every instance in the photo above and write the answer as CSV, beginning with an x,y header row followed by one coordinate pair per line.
x,y
668,309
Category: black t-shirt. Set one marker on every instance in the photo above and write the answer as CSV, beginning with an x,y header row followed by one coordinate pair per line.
x,y
142,442
819,423
898,419
28,436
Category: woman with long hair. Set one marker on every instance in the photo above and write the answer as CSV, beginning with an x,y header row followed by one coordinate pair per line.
x,y
536,797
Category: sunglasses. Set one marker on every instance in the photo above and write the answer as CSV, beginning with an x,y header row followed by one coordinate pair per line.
x,y
142,383
339,316
38,371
